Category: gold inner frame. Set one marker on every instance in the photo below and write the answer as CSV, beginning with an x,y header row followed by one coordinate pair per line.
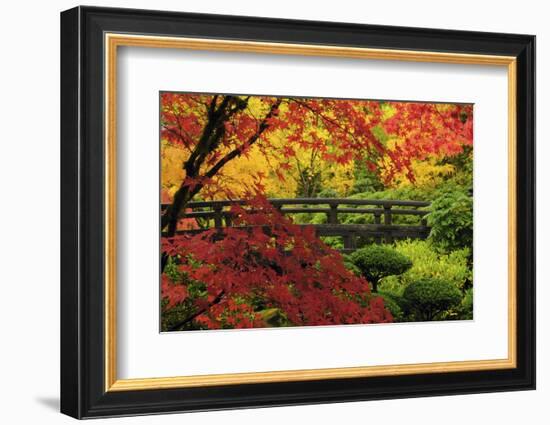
x,y
113,41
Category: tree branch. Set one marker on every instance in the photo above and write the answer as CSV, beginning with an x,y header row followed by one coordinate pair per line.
x,y
238,151
215,301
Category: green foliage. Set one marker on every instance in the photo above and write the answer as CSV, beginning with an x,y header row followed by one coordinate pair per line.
x,y
351,266
171,269
427,299
462,311
407,193
365,180
195,289
177,314
308,218
451,220
465,310
393,304
274,317
328,193
335,242
429,263
464,166
378,261
416,193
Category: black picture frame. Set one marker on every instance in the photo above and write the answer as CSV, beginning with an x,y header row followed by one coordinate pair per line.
x,y
83,392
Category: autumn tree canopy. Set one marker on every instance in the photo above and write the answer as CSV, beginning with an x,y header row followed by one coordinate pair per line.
x,y
216,129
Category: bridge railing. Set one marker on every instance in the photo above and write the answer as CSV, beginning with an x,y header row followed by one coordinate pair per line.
x,y
383,212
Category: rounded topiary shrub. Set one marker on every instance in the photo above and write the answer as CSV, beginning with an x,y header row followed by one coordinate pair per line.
x,y
428,298
378,261
391,302
348,263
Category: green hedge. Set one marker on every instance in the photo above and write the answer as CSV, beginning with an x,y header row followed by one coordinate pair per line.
x,y
428,299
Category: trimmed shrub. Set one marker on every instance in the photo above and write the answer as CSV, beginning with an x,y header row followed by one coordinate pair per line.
x,y
429,263
348,263
427,299
378,261
392,303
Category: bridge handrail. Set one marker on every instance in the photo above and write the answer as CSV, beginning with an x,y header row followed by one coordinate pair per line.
x,y
383,213
374,211
312,201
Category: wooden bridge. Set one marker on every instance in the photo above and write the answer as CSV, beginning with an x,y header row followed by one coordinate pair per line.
x,y
382,228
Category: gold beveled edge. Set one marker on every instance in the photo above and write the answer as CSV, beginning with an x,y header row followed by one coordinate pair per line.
x,y
307,375
303,49
512,212
110,214
112,41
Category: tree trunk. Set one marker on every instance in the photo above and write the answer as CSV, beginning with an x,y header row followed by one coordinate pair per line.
x,y
374,285
210,140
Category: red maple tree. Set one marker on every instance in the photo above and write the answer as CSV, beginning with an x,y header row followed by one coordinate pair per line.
x,y
266,259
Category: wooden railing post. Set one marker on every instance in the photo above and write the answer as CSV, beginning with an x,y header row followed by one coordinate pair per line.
x,y
378,220
387,215
333,213
217,216
350,242
424,221
387,222
228,220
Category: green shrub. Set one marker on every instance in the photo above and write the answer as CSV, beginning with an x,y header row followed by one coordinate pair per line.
x,y
426,299
465,310
365,180
429,263
309,218
406,192
463,163
328,193
378,261
393,304
451,220
335,242
348,263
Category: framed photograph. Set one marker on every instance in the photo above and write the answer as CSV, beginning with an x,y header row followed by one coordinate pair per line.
x,y
261,212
